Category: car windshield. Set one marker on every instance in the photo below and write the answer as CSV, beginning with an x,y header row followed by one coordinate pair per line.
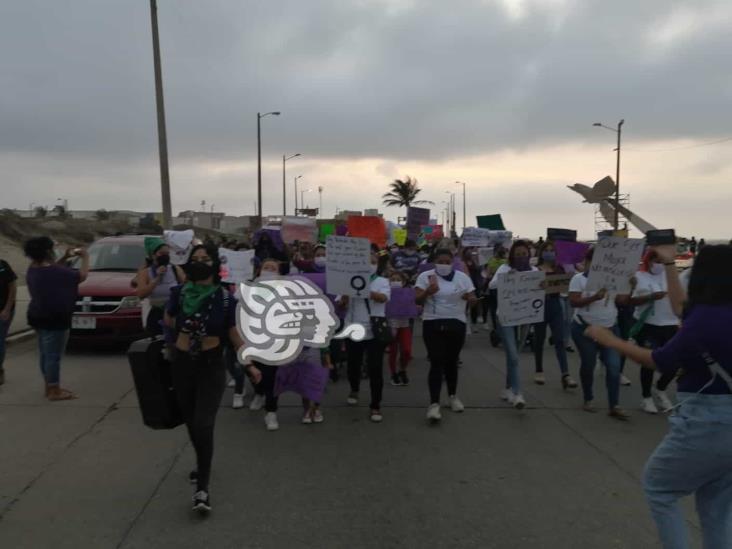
x,y
116,257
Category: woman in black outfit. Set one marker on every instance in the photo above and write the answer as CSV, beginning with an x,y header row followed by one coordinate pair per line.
x,y
203,315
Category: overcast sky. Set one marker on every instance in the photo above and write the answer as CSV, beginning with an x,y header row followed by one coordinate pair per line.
x,y
500,94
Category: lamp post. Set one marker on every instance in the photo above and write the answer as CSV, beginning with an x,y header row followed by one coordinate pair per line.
x,y
259,161
320,202
619,131
298,177
284,178
464,204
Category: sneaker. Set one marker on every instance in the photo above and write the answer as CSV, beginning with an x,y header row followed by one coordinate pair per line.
x,y
307,419
193,477
619,413
257,403
648,406
318,417
433,413
664,402
202,502
238,401
396,380
518,402
352,399
624,381
270,420
456,405
405,379
376,416
507,395
539,378
232,383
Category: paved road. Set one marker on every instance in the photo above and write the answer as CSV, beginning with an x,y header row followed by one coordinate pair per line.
x,y
89,474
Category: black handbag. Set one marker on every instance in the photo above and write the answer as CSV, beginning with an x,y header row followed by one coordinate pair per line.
x,y
380,327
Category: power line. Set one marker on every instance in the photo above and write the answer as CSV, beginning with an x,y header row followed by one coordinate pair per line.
x,y
680,148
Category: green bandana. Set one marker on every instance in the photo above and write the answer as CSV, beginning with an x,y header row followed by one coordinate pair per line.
x,y
194,295
152,244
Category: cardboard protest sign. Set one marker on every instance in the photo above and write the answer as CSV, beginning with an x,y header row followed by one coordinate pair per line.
x,y
483,238
556,235
372,227
399,236
520,298
236,267
558,283
349,265
570,253
402,303
614,263
325,230
493,222
301,229
180,244
484,255
416,219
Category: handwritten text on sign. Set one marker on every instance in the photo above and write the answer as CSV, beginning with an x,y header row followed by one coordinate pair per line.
x,y
349,265
520,298
614,263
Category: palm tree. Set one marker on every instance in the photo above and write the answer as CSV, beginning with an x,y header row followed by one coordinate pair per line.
x,y
403,193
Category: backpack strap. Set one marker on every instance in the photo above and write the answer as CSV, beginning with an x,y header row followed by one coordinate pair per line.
x,y
717,370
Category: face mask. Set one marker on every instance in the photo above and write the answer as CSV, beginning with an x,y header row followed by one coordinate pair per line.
x,y
268,275
657,269
198,271
320,261
522,263
549,257
443,270
163,260
397,284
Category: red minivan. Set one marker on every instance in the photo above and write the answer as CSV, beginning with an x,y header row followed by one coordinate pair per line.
x,y
107,309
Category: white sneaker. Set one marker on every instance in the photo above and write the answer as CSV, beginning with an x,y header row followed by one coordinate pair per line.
x,y
664,402
238,401
231,383
318,417
352,399
507,395
307,419
433,413
376,416
456,405
518,402
648,406
270,420
624,381
257,403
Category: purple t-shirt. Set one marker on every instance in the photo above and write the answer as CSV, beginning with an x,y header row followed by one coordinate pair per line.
x,y
53,292
705,330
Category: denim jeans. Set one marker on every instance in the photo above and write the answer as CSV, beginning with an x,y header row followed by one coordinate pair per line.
x,y
4,327
554,318
568,312
588,351
694,458
508,338
51,345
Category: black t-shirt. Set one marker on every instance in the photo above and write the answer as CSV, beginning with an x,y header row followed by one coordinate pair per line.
x,y
7,276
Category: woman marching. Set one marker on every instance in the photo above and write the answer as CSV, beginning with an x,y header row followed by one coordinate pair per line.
x,y
554,318
696,455
443,292
154,282
202,315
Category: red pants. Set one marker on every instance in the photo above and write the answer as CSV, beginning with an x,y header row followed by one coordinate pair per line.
x,y
403,341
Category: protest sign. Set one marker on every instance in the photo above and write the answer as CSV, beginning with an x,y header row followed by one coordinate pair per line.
x,y
399,236
568,235
570,253
557,283
301,229
483,238
520,298
274,235
341,230
614,263
433,232
493,222
236,267
402,303
416,219
325,230
349,265
372,227
484,255
180,244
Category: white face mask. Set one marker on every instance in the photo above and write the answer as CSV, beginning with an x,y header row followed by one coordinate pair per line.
x,y
657,269
443,270
320,261
397,284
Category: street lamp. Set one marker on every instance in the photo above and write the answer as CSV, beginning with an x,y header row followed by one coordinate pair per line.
x,y
464,216
259,161
298,177
451,211
320,204
284,186
619,131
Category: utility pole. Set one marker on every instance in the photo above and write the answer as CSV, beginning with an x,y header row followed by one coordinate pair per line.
x,y
162,135
619,131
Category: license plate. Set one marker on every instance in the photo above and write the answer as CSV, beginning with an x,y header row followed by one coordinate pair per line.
x,y
83,323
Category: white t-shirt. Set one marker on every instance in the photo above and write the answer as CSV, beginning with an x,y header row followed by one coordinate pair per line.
x,y
599,313
358,313
448,302
662,314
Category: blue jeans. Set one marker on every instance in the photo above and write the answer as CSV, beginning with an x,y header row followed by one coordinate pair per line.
x,y
508,338
554,318
694,458
588,351
51,345
4,327
568,313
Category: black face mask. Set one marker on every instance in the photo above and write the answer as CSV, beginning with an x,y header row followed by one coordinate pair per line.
x,y
198,271
163,260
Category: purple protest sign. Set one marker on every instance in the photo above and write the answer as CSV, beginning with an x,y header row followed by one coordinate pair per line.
x,y
402,304
341,230
274,236
569,253
306,376
416,219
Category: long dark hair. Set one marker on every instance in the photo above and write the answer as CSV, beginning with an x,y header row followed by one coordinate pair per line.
x,y
711,277
213,253
512,251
